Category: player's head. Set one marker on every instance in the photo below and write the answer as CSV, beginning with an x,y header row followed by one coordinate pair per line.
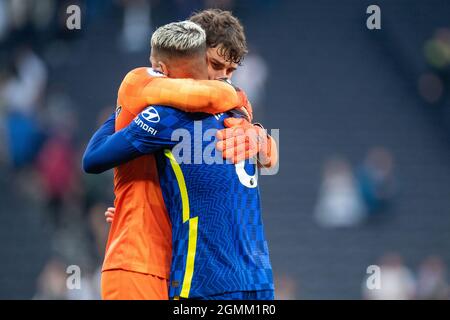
x,y
225,39
179,49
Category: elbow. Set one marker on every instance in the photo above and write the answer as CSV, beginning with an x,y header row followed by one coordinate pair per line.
x,y
89,166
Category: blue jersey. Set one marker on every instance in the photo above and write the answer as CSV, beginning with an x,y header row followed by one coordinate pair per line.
x,y
217,230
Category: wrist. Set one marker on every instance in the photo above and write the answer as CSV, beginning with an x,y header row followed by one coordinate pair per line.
x,y
264,143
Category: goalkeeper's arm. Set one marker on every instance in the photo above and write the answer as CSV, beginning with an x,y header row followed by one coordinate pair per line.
x,y
189,95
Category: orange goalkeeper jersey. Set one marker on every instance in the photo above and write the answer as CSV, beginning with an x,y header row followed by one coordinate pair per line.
x,y
140,238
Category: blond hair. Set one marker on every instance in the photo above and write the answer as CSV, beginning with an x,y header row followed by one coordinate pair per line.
x,y
182,38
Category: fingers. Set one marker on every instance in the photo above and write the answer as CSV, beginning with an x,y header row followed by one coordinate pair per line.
x,y
221,134
239,141
109,214
109,217
238,148
242,155
228,133
234,127
231,143
234,151
234,122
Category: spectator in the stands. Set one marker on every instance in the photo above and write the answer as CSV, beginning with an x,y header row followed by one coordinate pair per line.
x,y
339,203
376,180
432,279
397,281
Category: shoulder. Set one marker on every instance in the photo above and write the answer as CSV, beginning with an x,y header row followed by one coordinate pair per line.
x,y
157,123
163,117
129,94
142,74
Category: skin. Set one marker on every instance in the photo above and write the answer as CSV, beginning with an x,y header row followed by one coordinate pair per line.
x,y
215,65
218,67
194,67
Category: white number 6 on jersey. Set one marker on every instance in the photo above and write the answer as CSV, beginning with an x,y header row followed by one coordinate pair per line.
x,y
246,179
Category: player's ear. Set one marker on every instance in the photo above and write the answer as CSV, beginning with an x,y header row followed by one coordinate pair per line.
x,y
162,67
158,65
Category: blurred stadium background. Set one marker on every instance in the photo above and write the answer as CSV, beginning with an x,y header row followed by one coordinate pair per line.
x,y
364,120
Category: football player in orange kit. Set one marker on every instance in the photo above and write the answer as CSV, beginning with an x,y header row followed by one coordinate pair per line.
x,y
138,253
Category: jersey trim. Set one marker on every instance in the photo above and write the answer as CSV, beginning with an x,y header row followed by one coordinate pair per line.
x,y
193,226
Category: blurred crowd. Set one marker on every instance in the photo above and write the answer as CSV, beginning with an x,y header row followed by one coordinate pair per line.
x,y
42,153
41,144
41,147
433,83
349,197
399,282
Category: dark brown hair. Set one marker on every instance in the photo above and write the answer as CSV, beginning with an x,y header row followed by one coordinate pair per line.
x,y
223,30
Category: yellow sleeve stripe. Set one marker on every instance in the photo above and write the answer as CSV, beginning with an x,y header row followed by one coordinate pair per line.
x,y
193,226
190,259
181,184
